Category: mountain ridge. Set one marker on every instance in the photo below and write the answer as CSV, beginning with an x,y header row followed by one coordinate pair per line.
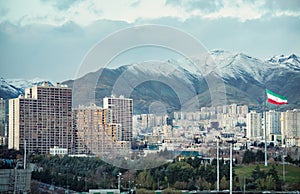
x,y
183,82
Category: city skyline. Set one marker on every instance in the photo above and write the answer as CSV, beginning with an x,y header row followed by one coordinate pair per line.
x,y
56,36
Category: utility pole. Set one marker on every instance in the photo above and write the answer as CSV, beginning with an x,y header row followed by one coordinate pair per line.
x,y
231,142
218,166
265,134
119,181
244,189
230,188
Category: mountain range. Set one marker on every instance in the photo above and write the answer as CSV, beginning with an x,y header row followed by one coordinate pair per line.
x,y
213,78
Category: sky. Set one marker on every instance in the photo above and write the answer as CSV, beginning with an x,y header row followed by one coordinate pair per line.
x,y
50,39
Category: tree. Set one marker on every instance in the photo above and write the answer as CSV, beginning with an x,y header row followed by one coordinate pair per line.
x,y
248,157
273,172
210,174
180,185
259,156
257,173
270,183
223,183
206,185
145,179
192,185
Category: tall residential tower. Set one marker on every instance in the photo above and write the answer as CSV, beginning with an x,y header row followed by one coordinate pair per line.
x,y
94,132
122,110
254,125
43,117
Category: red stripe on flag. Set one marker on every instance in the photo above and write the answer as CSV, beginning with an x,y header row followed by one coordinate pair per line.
x,y
275,102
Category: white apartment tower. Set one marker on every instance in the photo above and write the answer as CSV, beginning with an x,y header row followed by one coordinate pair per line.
x,y
43,117
254,124
273,124
290,127
122,110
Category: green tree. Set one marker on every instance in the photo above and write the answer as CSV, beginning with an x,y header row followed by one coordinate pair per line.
x,y
179,171
259,156
206,185
180,185
223,183
145,179
261,184
273,172
209,174
270,183
257,173
248,157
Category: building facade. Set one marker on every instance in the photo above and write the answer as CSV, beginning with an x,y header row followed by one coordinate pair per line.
x,y
3,124
273,125
290,127
122,110
254,124
94,131
42,118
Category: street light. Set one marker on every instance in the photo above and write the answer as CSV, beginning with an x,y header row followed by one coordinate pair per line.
x,y
231,141
119,181
218,166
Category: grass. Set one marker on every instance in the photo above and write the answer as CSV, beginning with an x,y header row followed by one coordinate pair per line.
x,y
292,173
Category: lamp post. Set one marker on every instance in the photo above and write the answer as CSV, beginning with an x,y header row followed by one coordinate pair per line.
x,y
231,142
218,165
119,181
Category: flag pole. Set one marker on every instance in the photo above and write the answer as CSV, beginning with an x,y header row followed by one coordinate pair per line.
x,y
265,129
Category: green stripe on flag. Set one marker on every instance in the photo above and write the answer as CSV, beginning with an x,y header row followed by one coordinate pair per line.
x,y
274,94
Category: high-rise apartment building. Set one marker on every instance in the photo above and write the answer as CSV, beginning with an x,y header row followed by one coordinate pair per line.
x,y
122,110
43,117
254,124
94,131
273,124
290,127
3,127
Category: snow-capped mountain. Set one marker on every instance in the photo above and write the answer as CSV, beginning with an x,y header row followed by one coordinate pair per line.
x,y
7,90
22,83
181,81
291,61
12,88
178,83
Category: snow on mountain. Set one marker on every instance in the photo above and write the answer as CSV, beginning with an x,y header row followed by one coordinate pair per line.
x,y
12,88
8,90
153,69
238,70
22,83
243,66
291,61
224,63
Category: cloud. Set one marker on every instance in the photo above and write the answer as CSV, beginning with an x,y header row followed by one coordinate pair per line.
x,y
287,5
51,40
242,10
191,5
135,3
86,12
61,4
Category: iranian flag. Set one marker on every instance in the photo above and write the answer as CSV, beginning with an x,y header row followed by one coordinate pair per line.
x,y
277,99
